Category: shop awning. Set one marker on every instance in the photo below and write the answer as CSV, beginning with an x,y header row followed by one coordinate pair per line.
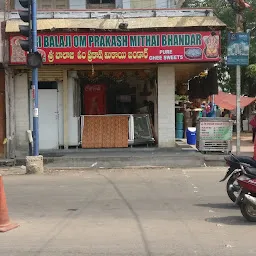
x,y
12,26
228,101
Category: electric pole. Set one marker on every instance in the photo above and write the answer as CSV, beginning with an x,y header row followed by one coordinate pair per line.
x,y
239,22
238,6
34,59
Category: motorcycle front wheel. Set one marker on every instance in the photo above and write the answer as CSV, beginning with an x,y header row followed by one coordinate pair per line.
x,y
248,211
232,193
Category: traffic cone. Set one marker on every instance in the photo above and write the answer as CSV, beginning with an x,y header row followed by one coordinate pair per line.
x,y
5,224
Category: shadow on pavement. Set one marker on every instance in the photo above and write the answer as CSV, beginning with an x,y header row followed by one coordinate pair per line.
x,y
133,212
230,220
219,206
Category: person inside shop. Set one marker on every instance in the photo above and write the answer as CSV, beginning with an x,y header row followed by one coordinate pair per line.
x,y
204,107
210,110
226,113
150,106
218,111
253,124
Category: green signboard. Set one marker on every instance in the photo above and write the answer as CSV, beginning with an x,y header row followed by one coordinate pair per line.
x,y
213,130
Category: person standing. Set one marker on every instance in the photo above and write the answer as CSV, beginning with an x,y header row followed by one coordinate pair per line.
x,y
218,112
203,106
210,110
226,113
253,124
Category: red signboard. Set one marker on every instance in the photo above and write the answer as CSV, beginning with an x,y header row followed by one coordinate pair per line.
x,y
129,47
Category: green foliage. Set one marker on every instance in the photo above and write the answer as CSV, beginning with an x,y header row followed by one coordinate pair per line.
x,y
181,97
227,75
251,71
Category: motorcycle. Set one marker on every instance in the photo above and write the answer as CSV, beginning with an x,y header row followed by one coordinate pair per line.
x,y
234,171
246,199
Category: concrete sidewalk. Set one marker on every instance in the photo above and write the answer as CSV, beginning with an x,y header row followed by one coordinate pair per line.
x,y
247,145
125,158
246,149
183,156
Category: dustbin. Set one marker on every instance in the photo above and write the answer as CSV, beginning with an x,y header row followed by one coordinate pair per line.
x,y
191,136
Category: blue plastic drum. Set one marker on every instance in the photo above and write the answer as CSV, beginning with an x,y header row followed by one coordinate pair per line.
x,y
191,136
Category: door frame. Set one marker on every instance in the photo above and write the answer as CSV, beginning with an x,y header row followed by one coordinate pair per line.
x,y
31,107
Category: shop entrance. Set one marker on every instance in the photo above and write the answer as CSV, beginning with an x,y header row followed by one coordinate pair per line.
x,y
191,98
48,115
118,108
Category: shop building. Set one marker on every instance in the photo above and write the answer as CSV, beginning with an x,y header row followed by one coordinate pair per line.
x,y
103,85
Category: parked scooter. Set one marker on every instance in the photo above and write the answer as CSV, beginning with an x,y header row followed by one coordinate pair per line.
x,y
247,194
234,171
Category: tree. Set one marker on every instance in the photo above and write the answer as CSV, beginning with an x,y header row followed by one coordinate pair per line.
x,y
227,75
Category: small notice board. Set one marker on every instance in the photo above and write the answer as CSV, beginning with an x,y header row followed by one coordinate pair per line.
x,y
214,134
212,130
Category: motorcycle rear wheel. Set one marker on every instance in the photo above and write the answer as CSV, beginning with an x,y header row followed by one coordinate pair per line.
x,y
248,211
231,193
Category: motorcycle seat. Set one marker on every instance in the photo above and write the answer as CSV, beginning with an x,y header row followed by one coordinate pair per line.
x,y
251,170
245,159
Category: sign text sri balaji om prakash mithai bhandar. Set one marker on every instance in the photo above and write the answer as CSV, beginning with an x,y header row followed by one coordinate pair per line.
x,y
137,47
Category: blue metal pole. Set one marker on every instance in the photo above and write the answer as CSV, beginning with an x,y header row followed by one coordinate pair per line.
x,y
35,81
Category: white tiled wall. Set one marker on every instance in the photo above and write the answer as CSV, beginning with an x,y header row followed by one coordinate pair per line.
x,y
166,105
21,111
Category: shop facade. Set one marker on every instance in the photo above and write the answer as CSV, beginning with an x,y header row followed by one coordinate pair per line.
x,y
106,89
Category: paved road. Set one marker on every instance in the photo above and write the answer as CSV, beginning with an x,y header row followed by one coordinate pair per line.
x,y
128,212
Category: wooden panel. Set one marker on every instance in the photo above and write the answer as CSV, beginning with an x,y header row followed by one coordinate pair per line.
x,y
121,131
2,106
92,132
2,81
108,127
105,132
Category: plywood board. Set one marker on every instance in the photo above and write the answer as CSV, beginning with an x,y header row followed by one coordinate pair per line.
x,y
105,132
109,132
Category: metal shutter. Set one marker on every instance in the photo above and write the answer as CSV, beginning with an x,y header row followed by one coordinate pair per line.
x,y
45,4
48,74
61,4
52,4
